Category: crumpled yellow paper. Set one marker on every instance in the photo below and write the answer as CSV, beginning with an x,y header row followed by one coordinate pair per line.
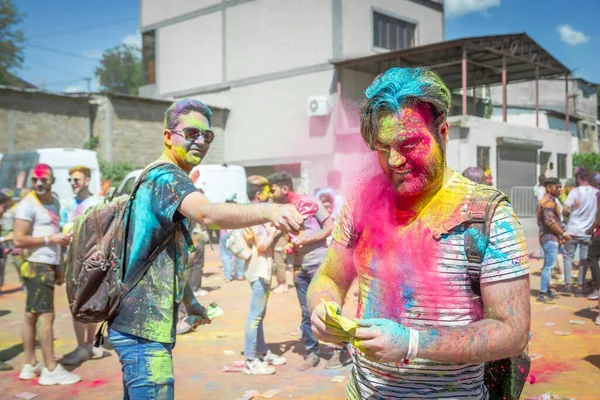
x,y
334,318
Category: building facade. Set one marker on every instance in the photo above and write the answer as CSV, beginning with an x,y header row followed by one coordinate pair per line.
x,y
267,61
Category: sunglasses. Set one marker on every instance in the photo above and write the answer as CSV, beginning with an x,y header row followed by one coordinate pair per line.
x,y
74,180
192,134
43,180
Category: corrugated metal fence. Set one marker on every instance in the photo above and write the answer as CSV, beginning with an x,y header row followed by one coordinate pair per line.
x,y
523,201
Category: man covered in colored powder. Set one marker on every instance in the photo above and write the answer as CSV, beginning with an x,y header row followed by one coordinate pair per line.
x,y
36,229
79,178
422,331
143,331
551,235
309,252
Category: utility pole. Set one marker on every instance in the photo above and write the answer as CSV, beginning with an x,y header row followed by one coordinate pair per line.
x,y
89,84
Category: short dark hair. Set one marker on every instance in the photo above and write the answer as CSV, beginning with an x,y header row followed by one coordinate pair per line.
x,y
282,179
184,107
541,179
475,174
254,184
582,173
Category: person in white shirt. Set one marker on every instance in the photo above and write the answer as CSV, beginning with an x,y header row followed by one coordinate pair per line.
x,y
79,178
580,207
36,229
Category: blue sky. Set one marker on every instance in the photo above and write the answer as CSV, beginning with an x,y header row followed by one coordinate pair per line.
x,y
567,29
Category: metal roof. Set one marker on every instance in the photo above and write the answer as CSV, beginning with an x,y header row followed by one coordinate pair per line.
x,y
484,59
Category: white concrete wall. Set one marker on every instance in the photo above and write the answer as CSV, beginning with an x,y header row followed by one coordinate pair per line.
x,y
153,11
189,54
268,36
551,95
357,19
462,152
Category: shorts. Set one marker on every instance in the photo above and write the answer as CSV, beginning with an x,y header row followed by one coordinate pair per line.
x,y
40,288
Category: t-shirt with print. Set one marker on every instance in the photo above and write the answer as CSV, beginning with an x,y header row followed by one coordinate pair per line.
x,y
313,253
75,208
149,310
582,217
44,222
416,275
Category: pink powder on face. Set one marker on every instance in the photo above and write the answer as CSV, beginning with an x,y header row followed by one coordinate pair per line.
x,y
42,171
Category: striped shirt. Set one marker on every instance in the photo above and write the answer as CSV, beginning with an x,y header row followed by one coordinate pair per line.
x,y
407,275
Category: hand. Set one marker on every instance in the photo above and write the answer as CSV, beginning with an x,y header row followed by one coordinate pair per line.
x,y
565,238
198,311
300,241
287,219
324,331
60,238
59,276
590,230
382,340
576,205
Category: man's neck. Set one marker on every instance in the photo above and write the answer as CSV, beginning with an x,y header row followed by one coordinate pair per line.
x,y
415,204
169,156
83,194
584,184
45,198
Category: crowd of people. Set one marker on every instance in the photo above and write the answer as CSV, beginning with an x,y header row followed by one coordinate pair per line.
x,y
443,288
569,220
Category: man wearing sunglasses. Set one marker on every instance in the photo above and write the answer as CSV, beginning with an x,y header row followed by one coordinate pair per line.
x,y
79,178
36,229
143,331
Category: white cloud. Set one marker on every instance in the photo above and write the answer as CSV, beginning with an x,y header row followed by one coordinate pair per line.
x,y
74,89
133,39
571,36
458,8
93,53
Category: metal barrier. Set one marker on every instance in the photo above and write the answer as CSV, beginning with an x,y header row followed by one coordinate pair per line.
x,y
523,201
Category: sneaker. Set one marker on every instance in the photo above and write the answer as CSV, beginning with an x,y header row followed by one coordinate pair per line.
x,y
543,298
566,291
273,359
183,328
77,356
60,376
281,289
311,361
339,359
579,293
200,293
551,295
99,352
258,367
5,367
594,295
29,371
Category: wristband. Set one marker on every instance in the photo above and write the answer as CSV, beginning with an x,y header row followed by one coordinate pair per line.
x,y
413,345
46,240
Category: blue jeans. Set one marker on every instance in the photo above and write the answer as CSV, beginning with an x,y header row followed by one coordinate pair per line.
x,y
254,339
550,255
147,367
583,243
302,277
227,259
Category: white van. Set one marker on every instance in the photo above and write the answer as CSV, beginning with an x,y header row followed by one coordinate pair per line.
x,y
18,166
218,182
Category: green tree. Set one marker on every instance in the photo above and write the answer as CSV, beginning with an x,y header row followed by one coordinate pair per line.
x,y
120,70
11,42
591,161
115,172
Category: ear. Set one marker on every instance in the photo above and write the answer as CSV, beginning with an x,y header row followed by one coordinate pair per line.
x,y
443,131
168,136
87,180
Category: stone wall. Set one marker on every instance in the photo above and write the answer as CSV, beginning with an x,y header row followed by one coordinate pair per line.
x,y
129,128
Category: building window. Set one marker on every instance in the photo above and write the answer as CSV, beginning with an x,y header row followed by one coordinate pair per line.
x,y
585,132
392,33
149,58
561,160
483,157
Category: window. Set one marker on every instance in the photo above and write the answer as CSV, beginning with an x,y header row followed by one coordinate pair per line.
x,y
483,157
585,132
561,160
148,58
392,33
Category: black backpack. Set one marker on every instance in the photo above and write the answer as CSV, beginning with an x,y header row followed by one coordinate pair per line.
x,y
505,379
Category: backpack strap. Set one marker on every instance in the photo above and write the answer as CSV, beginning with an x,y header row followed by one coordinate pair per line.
x,y
481,207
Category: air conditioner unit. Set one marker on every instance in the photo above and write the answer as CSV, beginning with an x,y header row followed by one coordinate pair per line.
x,y
318,106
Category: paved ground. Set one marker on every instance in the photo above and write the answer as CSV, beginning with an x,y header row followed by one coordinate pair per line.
x,y
569,365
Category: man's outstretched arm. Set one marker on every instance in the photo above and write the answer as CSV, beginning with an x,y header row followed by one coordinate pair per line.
x,y
196,207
